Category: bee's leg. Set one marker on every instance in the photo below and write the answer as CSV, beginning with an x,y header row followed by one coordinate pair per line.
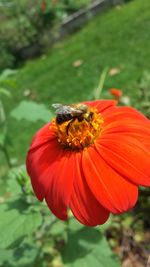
x,y
80,118
89,118
69,124
91,115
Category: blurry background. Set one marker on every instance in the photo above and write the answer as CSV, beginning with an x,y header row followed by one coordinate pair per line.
x,y
67,51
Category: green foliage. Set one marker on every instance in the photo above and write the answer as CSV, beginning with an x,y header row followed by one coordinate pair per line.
x,y
24,24
4,139
65,8
3,136
5,92
6,74
17,220
87,247
18,182
58,228
21,256
6,59
144,94
20,220
18,33
31,111
2,113
18,217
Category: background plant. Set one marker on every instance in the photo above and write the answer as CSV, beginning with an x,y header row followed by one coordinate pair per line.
x,y
24,25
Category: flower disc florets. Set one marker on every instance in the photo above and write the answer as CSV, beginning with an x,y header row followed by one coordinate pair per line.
x,y
79,128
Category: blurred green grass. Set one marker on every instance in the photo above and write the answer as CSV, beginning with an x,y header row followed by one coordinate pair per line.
x,y
119,38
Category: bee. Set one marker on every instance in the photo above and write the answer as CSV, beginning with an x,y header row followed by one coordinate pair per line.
x,y
71,112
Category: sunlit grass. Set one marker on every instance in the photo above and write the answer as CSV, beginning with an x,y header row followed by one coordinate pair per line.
x,y
117,39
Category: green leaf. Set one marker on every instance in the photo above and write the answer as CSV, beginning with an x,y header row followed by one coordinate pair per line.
x,y
13,186
87,247
74,225
57,228
5,92
21,256
5,255
17,220
2,115
4,139
6,73
18,179
60,227
31,111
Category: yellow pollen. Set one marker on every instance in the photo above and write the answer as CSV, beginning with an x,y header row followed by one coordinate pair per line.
x,y
78,133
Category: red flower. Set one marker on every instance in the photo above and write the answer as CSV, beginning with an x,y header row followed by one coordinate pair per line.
x,y
92,162
115,92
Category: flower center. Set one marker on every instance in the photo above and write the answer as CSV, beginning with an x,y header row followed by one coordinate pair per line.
x,y
75,130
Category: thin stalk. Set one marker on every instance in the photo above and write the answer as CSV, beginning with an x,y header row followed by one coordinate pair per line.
x,y
5,151
98,90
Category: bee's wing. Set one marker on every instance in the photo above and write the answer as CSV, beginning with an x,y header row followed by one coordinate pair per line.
x,y
61,109
76,111
57,105
79,109
65,109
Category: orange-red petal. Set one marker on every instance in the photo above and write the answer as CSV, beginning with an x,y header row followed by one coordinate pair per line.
x,y
127,156
123,115
61,185
101,105
125,144
83,203
43,136
51,171
112,190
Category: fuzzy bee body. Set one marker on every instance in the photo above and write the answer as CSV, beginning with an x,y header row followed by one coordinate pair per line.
x,y
63,117
66,113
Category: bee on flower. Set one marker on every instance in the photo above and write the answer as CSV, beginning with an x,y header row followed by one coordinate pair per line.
x,y
91,158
